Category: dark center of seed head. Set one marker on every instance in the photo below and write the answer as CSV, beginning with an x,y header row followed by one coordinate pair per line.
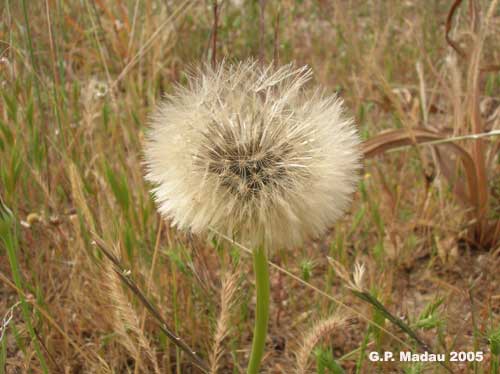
x,y
247,172
246,168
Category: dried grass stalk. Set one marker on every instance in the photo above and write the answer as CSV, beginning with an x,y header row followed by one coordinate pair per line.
x,y
227,302
397,138
125,320
319,331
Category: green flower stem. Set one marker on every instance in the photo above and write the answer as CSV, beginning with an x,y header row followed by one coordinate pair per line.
x,y
261,271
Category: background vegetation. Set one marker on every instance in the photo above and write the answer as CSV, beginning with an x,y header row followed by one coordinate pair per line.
x,y
77,80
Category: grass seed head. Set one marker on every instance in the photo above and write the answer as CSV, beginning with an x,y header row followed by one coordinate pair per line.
x,y
249,152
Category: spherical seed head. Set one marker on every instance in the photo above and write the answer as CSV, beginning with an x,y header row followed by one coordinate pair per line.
x,y
250,153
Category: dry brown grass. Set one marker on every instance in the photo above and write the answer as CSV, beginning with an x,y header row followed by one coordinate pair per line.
x,y
228,299
321,330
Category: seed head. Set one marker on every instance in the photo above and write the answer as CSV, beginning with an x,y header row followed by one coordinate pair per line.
x,y
252,154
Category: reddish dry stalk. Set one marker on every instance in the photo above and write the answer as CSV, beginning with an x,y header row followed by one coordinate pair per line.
x,y
214,33
396,138
262,27
276,53
483,230
449,21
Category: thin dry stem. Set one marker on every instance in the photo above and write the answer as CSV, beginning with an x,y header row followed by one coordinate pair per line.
x,y
78,196
149,283
149,43
478,149
215,7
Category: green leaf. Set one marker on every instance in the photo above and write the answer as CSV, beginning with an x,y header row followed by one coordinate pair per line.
x,y
326,363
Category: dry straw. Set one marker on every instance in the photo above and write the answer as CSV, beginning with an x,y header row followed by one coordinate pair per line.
x,y
228,301
249,152
321,330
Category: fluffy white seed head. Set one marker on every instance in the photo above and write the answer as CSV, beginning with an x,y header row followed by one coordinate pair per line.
x,y
250,153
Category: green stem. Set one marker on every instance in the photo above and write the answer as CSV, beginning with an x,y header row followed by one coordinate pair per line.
x,y
261,271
